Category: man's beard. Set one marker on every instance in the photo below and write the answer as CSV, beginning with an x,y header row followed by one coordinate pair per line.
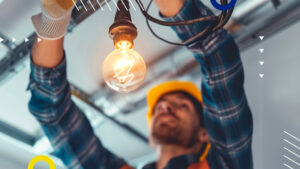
x,y
166,134
173,135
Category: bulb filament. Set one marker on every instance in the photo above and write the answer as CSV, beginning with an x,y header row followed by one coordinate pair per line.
x,y
122,70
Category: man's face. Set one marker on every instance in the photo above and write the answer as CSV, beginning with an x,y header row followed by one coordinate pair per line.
x,y
175,121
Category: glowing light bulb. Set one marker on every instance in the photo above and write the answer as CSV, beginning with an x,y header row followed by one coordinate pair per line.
x,y
124,69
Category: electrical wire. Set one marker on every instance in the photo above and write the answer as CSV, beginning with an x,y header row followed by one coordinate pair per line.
x,y
165,23
217,22
155,34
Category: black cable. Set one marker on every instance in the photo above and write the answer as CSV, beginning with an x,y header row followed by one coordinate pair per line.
x,y
218,22
156,35
165,23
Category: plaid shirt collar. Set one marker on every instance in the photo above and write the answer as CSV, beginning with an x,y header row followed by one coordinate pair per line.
x,y
183,161
180,162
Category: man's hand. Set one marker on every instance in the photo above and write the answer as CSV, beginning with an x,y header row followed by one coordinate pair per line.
x,y
169,8
57,8
67,4
53,21
51,25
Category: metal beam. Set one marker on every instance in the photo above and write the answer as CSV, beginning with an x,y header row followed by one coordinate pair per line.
x,y
269,23
15,56
6,42
86,99
16,133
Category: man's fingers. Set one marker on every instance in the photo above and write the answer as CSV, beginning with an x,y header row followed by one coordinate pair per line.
x,y
65,4
57,8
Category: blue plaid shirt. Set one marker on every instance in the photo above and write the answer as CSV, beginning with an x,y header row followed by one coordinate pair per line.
x,y
228,119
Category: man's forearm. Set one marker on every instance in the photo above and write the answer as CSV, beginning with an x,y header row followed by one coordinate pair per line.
x,y
169,8
47,53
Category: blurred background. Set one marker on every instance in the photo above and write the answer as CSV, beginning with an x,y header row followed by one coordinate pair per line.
x,y
120,119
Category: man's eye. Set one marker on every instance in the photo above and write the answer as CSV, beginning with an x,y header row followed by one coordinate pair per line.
x,y
184,106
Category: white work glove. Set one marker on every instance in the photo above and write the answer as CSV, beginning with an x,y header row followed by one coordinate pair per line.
x,y
53,21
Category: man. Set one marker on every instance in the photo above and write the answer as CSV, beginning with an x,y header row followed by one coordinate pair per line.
x,y
187,133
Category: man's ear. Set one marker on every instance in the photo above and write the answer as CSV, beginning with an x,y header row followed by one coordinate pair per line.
x,y
203,136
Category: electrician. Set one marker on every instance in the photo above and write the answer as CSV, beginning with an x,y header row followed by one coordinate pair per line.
x,y
189,129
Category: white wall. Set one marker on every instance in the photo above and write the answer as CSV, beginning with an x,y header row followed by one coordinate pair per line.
x,y
275,99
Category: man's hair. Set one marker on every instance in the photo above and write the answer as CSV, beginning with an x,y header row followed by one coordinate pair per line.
x,y
197,105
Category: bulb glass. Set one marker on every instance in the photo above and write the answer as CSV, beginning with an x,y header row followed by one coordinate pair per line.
x,y
124,70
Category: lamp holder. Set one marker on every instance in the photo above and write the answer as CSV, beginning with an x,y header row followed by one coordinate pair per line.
x,y
123,29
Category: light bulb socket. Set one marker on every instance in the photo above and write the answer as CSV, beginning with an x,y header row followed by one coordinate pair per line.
x,y
123,29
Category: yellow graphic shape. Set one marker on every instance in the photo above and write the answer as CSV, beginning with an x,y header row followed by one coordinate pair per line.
x,y
41,158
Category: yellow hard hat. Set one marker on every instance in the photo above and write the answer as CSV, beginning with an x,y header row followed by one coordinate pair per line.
x,y
158,91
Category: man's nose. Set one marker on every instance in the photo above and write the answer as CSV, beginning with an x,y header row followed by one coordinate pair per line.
x,y
165,107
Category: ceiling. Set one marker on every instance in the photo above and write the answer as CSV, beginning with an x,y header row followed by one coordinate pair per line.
x,y
87,46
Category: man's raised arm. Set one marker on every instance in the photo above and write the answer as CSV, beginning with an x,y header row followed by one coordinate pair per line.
x,y
67,128
227,116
